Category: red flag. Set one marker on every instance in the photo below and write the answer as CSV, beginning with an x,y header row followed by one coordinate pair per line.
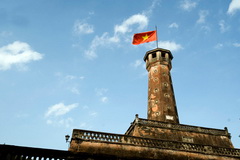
x,y
144,37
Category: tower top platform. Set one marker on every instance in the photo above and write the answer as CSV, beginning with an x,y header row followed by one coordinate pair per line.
x,y
156,50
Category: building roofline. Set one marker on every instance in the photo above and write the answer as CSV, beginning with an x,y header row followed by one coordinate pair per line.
x,y
174,126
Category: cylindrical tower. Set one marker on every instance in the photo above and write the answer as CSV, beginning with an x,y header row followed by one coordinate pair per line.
x,y
161,100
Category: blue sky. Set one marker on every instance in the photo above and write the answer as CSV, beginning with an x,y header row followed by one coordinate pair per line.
x,y
70,64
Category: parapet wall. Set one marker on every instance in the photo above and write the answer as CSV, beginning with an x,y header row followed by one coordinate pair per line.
x,y
178,132
137,147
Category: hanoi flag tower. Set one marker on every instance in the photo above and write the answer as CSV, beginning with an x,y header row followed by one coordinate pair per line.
x,y
160,136
161,100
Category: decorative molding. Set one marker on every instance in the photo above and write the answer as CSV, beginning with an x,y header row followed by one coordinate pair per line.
x,y
187,128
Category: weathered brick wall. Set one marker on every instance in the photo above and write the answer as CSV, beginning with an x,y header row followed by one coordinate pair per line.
x,y
161,99
123,151
182,136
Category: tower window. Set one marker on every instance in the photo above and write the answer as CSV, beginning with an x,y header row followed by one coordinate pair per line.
x,y
169,117
166,95
163,54
164,74
154,55
187,139
165,84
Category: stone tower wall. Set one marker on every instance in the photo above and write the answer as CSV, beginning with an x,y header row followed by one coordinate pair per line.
x,y
161,99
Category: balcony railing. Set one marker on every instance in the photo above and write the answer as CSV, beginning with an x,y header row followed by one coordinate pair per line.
x,y
85,135
9,152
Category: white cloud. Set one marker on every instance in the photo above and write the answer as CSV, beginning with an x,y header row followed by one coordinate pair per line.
x,y
81,77
144,73
100,91
60,122
154,4
82,28
236,44
93,114
104,99
75,90
22,115
49,121
188,5
65,122
173,25
137,63
139,19
223,26
234,6
85,107
91,13
218,46
72,77
107,40
91,53
170,45
83,124
202,16
69,82
59,109
104,40
55,113
17,53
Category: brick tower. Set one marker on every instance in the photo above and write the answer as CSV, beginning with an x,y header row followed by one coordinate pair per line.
x,y
161,100
160,136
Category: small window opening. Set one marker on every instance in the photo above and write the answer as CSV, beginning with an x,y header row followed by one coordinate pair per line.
x,y
163,54
154,55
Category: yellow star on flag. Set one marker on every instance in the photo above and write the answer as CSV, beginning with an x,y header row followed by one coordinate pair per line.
x,y
145,37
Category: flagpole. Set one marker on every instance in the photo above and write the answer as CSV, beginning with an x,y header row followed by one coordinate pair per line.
x,y
157,36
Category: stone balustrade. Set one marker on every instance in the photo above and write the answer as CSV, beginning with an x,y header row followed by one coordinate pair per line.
x,y
9,152
84,135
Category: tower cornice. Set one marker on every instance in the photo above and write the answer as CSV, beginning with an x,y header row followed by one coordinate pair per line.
x,y
158,49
